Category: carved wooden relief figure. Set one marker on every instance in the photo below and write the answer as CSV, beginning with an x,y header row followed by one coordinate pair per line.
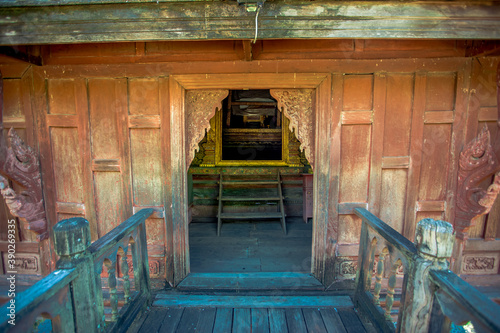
x,y
200,107
478,160
297,106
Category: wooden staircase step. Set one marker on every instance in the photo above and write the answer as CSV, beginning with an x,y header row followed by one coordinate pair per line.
x,y
240,216
241,198
248,182
256,281
252,301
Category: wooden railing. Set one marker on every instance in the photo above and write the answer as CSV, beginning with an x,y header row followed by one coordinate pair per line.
x,y
432,297
72,297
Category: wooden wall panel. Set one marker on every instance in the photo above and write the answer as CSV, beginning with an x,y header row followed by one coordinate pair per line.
x,y
110,151
12,102
103,118
435,162
349,229
146,167
61,96
398,113
358,92
143,96
67,160
109,201
355,163
393,197
441,92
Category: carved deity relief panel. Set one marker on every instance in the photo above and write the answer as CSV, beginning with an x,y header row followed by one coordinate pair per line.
x,y
297,105
200,106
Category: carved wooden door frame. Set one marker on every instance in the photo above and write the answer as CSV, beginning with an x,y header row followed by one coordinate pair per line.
x,y
179,146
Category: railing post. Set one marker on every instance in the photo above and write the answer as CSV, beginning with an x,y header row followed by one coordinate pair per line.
x,y
434,241
71,242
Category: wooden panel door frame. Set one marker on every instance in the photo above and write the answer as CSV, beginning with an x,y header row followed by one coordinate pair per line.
x,y
177,172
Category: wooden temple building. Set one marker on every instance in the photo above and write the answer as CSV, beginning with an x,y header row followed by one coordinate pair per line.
x,y
250,147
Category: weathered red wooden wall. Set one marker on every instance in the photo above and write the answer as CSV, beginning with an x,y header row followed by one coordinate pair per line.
x,y
399,118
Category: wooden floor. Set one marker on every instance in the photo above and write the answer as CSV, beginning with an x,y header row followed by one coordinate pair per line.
x,y
251,247
294,314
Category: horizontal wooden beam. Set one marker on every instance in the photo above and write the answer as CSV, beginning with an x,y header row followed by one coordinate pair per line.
x,y
30,22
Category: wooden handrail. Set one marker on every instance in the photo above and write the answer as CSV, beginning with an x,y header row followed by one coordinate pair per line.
x,y
431,296
388,233
72,295
461,302
46,291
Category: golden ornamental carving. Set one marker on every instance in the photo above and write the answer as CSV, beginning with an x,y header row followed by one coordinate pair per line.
x,y
297,106
200,107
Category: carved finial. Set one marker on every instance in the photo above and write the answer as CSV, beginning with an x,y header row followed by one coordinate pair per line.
x,y
71,240
434,238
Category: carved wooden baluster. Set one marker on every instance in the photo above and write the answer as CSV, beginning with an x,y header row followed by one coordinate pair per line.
x,y
371,263
378,277
389,300
113,297
124,269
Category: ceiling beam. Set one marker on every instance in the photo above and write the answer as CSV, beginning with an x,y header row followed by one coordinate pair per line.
x,y
207,20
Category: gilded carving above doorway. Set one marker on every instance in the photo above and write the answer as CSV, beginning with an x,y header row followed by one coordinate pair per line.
x,y
297,105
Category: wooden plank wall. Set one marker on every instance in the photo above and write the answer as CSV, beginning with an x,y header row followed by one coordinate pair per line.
x,y
482,251
31,258
397,127
104,139
400,141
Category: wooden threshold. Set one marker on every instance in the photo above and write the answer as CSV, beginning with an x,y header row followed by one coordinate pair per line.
x,y
261,281
252,301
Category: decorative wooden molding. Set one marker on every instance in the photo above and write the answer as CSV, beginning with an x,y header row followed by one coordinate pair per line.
x,y
395,162
297,107
200,108
430,206
101,165
141,121
109,21
357,117
20,163
477,162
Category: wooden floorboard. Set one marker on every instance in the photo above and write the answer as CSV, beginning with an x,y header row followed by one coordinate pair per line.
x,y
314,321
242,320
295,320
206,320
332,320
251,319
170,321
277,321
351,321
260,321
257,246
154,320
223,320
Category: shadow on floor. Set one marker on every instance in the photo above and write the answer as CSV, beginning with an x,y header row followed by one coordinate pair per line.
x,y
251,247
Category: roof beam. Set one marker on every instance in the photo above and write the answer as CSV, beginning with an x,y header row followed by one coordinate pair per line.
x,y
206,20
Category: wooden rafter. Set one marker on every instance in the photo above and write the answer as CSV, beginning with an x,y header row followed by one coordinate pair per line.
x,y
30,22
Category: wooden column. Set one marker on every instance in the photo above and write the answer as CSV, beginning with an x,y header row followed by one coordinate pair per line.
x,y
434,241
71,242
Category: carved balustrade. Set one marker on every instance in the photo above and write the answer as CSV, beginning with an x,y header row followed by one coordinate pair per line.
x,y
73,296
431,296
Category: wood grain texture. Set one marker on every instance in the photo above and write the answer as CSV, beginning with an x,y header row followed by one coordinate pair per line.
x,y
398,114
225,21
355,163
145,154
67,164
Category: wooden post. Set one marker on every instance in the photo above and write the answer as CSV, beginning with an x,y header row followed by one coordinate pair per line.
x,y
71,242
434,241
